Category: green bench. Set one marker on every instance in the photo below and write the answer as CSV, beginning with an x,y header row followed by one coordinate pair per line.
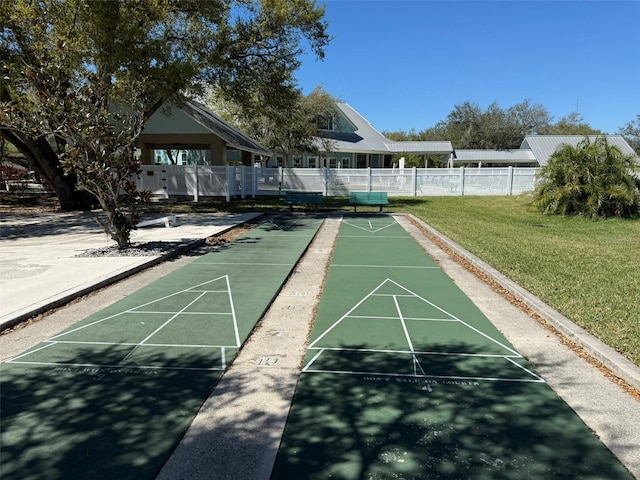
x,y
368,198
303,198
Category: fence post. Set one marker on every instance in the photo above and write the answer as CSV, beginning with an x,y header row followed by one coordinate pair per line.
x,y
230,173
510,181
243,182
164,183
196,183
254,180
368,179
325,180
414,181
462,181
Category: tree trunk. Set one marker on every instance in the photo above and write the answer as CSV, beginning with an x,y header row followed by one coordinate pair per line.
x,y
43,159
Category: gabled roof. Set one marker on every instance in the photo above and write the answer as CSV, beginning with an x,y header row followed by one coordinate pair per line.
x,y
543,146
233,137
495,156
366,139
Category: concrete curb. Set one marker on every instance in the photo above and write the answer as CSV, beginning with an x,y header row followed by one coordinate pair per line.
x,y
619,365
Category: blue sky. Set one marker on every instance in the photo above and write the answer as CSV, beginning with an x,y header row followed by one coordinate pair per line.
x,y
405,64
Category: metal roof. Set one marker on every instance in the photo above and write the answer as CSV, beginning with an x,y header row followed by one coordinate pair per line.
x,y
543,146
495,156
229,134
366,139
439,147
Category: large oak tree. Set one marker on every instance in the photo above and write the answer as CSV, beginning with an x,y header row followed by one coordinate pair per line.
x,y
79,77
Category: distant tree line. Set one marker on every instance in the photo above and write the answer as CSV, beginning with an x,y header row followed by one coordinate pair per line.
x,y
468,126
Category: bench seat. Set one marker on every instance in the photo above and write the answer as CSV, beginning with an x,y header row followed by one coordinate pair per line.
x,y
303,198
368,198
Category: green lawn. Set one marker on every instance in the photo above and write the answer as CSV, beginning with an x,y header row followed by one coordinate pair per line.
x,y
587,270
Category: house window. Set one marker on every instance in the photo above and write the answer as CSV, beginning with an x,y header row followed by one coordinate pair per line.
x,y
168,156
297,162
279,161
312,162
333,162
324,123
344,162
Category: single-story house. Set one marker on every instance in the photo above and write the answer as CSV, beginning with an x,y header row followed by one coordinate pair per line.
x,y
193,135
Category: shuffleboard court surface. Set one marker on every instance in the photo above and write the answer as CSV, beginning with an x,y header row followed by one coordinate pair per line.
x,y
110,397
405,378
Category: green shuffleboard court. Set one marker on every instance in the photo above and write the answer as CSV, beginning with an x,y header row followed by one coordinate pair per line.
x,y
111,397
405,378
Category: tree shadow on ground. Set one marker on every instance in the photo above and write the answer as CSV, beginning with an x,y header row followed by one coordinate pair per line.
x,y
449,425
98,422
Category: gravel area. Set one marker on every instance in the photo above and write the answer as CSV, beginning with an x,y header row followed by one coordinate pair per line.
x,y
148,249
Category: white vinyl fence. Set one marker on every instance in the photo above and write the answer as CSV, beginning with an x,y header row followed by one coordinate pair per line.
x,y
230,182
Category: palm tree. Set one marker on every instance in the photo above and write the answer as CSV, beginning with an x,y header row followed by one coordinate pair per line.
x,y
593,179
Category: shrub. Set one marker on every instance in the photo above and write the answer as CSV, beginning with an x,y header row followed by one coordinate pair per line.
x,y
593,179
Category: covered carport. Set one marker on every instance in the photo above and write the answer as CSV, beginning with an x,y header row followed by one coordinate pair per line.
x,y
493,158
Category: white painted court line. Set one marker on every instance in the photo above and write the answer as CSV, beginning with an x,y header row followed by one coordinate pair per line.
x,y
134,309
456,318
254,264
14,360
128,344
161,327
439,377
417,366
233,313
120,366
525,369
415,267
378,237
58,339
417,352
371,228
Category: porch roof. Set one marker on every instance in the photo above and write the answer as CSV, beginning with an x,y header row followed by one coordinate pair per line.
x,y
233,137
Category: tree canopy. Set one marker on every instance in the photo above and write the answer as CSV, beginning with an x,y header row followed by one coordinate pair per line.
x,y
80,77
62,59
468,126
284,131
631,133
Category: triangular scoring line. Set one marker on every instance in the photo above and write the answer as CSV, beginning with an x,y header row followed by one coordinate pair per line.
x,y
370,229
373,292
134,309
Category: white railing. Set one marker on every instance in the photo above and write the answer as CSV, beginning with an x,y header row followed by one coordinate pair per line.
x,y
230,182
